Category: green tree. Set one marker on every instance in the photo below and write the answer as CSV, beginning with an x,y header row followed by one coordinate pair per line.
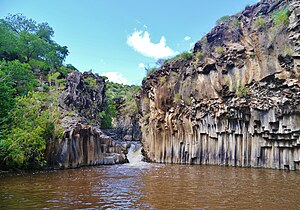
x,y
6,97
32,124
19,22
45,32
56,55
8,42
108,114
30,46
19,76
30,40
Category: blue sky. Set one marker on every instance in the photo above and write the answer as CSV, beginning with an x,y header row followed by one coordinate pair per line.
x,y
117,37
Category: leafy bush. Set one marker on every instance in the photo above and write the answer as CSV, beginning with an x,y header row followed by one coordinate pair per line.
x,y
222,19
108,114
186,55
219,50
177,98
281,18
32,124
162,80
90,82
45,87
53,79
241,91
19,75
39,64
235,23
199,55
6,96
194,63
260,22
115,91
64,70
151,71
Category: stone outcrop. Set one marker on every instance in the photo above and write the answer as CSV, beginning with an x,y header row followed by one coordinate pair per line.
x,y
82,143
236,102
84,95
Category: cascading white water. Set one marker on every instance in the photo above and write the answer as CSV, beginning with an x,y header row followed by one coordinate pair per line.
x,y
135,156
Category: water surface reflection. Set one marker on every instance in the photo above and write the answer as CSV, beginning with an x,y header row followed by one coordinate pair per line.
x,y
152,186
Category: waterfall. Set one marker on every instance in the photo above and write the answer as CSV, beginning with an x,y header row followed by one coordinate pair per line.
x,y
135,156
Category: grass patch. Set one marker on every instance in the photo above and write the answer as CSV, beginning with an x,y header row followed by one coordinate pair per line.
x,y
259,22
186,55
151,71
241,91
177,98
281,17
219,50
90,82
199,55
235,23
223,19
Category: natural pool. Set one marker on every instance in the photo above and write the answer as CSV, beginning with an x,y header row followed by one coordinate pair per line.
x,y
152,186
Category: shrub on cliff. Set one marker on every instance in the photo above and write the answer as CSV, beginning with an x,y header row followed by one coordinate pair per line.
x,y
259,22
223,19
186,55
151,71
90,82
281,17
219,50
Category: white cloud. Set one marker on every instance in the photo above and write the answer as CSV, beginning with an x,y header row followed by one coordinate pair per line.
x,y
140,41
116,77
187,38
141,65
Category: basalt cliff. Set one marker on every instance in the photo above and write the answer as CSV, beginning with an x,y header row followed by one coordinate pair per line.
x,y
235,100
82,142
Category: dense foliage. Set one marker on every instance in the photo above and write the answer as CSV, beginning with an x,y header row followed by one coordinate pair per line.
x,y
32,123
23,39
118,92
281,17
31,73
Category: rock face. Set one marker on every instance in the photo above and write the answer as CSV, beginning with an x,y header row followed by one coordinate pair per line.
x,y
236,101
82,143
84,94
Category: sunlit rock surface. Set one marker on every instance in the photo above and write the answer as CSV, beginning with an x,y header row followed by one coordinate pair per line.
x,y
82,143
235,102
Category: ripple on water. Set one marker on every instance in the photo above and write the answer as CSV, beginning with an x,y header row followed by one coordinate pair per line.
x,y
155,186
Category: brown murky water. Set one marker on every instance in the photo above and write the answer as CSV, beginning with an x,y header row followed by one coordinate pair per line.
x,y
151,186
